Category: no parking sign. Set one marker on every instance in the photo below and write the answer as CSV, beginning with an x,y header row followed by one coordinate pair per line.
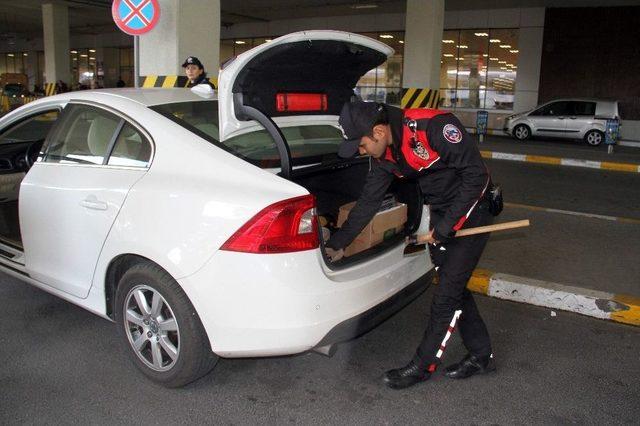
x,y
135,17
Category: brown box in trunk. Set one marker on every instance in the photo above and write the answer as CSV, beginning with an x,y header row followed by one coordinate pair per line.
x,y
384,225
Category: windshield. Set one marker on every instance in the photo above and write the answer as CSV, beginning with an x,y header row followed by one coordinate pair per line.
x,y
309,144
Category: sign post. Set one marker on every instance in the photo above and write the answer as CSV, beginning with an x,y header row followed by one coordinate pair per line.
x,y
611,132
135,17
482,120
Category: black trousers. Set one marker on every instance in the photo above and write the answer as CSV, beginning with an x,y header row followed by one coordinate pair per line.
x,y
456,260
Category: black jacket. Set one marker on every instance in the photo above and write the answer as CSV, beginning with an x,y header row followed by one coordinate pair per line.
x,y
202,79
452,181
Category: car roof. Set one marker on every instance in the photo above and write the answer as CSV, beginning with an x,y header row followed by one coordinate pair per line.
x,y
581,100
144,96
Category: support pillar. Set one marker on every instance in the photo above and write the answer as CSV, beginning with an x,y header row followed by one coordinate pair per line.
x,y
422,50
55,22
184,29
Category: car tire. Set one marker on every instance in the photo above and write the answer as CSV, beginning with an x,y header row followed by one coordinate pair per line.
x,y
160,328
594,137
522,132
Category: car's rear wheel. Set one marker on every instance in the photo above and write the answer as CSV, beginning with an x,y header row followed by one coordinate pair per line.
x,y
160,327
594,137
522,132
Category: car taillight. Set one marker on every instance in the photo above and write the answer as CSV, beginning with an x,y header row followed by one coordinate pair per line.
x,y
286,226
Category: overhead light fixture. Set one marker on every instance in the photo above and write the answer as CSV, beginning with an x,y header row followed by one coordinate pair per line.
x,y
10,55
483,87
363,6
502,62
462,46
505,46
92,50
25,54
448,55
84,56
493,59
74,51
460,59
503,68
91,58
401,41
494,40
514,51
75,59
240,42
448,41
485,55
386,36
482,34
267,40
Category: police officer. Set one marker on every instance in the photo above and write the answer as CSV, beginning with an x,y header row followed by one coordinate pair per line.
x,y
433,147
194,70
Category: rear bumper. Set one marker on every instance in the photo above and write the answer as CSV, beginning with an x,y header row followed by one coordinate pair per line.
x,y
271,305
368,320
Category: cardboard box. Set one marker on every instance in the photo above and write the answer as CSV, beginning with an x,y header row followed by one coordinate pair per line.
x,y
384,225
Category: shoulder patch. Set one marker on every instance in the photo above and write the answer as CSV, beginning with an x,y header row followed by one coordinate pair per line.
x,y
451,133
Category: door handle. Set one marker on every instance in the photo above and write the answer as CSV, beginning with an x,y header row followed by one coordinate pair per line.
x,y
92,202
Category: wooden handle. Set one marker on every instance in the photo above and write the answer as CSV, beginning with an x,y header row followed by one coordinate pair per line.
x,y
483,229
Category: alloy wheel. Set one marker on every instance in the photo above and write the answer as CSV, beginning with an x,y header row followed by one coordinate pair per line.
x,y
151,328
521,132
594,138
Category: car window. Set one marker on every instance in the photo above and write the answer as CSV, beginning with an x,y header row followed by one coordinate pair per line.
x,y
308,144
131,149
83,137
583,108
34,128
555,109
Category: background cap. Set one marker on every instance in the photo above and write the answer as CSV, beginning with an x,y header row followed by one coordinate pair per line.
x,y
192,60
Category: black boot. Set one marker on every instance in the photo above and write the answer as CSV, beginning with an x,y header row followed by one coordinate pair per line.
x,y
471,365
406,376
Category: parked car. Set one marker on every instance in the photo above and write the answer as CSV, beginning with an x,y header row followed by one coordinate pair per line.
x,y
191,220
564,118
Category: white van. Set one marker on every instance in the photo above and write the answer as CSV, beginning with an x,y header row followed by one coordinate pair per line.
x,y
564,118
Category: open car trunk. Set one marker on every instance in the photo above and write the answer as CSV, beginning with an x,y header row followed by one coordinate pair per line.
x,y
340,183
323,68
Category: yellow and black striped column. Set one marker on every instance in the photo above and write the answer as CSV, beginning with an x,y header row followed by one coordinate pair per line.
x,y
50,89
420,98
167,81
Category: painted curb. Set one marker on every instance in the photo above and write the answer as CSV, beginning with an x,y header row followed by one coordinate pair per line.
x,y
557,161
598,304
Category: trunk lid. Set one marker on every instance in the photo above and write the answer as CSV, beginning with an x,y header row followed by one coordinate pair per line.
x,y
326,63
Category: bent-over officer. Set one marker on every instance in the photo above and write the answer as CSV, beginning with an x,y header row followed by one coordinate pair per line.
x,y
433,147
194,70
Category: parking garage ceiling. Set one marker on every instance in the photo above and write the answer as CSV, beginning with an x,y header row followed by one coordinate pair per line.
x,y
23,19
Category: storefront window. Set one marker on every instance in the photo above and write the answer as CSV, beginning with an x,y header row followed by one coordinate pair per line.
x,y
503,66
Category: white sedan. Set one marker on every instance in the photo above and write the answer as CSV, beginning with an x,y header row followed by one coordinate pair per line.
x,y
191,220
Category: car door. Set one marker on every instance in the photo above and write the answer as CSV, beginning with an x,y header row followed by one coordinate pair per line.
x,y
20,143
72,195
580,118
550,119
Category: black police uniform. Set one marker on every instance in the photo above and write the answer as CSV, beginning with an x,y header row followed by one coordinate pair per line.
x,y
202,79
445,160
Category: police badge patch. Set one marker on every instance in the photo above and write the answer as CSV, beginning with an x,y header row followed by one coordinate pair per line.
x,y
421,151
451,133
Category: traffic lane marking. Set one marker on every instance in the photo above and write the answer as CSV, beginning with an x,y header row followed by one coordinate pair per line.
x,y
574,213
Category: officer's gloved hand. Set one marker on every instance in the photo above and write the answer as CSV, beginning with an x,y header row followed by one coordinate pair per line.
x,y
334,255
